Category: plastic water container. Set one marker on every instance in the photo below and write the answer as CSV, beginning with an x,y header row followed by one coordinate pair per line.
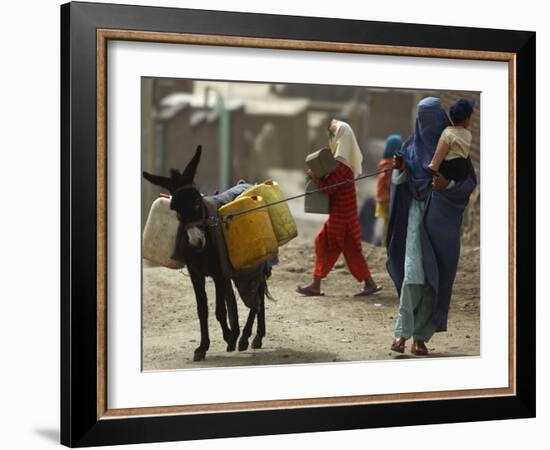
x,y
318,202
159,234
282,221
249,238
321,162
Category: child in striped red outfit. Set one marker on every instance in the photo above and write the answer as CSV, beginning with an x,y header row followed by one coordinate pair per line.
x,y
341,232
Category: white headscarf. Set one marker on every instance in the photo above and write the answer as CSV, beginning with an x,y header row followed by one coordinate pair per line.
x,y
345,148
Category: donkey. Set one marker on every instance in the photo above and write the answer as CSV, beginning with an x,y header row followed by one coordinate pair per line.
x,y
199,246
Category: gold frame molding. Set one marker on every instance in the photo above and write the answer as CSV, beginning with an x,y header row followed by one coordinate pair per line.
x,y
105,35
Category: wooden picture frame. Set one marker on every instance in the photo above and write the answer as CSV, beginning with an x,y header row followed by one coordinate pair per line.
x,y
85,416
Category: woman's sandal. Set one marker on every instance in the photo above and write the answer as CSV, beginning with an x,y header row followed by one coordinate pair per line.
x,y
398,345
308,292
419,348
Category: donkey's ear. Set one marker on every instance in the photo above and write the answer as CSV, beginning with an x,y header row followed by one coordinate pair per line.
x,y
161,181
191,169
175,174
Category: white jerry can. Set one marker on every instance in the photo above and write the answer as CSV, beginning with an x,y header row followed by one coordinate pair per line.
x,y
159,234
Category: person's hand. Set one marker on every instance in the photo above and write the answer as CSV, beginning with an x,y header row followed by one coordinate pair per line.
x,y
312,176
398,163
439,182
432,169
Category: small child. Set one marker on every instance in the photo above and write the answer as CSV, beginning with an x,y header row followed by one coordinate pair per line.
x,y
453,148
383,184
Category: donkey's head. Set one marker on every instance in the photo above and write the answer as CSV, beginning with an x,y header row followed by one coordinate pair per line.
x,y
186,198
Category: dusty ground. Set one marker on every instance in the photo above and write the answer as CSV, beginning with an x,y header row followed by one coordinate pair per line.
x,y
337,327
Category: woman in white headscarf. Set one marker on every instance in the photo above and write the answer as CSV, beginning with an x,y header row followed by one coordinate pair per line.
x,y
344,146
341,232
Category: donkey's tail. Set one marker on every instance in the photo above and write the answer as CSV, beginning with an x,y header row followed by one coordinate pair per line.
x,y
267,275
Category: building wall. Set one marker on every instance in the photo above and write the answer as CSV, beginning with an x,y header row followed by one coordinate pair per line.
x,y
292,131
149,191
390,113
166,86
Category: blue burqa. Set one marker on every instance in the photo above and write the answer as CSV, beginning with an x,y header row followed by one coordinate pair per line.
x,y
443,212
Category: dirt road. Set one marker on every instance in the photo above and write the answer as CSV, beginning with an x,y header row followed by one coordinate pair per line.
x,y
337,327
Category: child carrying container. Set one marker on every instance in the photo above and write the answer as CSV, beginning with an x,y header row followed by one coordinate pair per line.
x,y
341,232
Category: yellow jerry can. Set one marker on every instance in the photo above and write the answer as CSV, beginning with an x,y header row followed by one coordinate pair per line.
x,y
249,238
282,221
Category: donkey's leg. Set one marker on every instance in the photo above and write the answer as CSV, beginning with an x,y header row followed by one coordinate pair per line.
x,y
260,330
247,330
202,311
233,313
221,311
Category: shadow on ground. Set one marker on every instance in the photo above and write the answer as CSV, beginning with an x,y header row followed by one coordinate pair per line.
x,y
49,434
260,357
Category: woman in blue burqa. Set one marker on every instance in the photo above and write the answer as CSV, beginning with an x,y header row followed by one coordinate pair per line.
x,y
424,232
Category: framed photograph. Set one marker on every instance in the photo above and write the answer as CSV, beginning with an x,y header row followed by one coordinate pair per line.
x,y
278,224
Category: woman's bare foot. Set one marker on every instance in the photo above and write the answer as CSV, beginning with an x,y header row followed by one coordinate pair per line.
x,y
398,345
313,289
419,348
